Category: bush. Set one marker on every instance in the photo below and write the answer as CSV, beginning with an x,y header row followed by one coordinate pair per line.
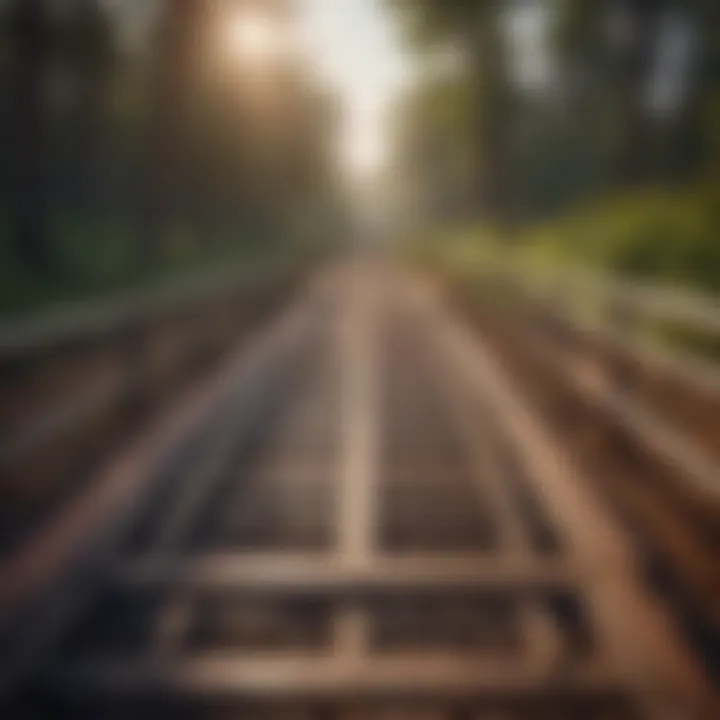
x,y
661,236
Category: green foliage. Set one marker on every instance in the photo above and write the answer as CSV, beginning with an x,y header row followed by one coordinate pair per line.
x,y
660,235
98,258
430,22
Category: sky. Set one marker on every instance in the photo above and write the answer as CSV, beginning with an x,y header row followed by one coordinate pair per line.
x,y
355,46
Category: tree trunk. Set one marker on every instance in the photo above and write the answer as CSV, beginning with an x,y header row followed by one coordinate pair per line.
x,y
27,136
92,57
491,117
688,149
639,129
173,88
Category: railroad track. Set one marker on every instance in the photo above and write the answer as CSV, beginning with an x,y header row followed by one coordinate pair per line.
x,y
357,533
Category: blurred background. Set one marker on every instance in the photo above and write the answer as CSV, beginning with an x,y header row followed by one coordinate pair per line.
x,y
582,130
146,138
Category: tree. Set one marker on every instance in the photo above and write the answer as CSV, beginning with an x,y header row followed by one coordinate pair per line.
x,y
475,27
180,43
638,64
89,51
27,135
620,56
433,142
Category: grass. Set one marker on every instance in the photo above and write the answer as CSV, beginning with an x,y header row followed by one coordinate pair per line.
x,y
662,236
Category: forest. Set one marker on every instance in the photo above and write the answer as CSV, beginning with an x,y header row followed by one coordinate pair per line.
x,y
580,131
138,143
141,142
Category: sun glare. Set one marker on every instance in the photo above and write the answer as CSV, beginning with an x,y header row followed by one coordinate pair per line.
x,y
253,36
362,151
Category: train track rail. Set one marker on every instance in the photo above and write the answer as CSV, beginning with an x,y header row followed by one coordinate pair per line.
x,y
618,374
369,527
